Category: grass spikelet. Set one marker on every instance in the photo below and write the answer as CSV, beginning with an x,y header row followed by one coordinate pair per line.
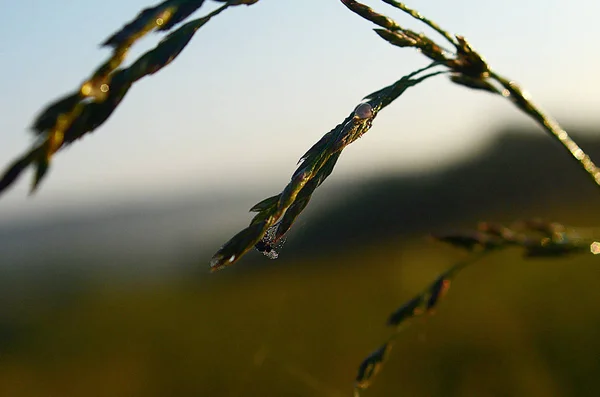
x,y
468,68
314,167
535,238
82,111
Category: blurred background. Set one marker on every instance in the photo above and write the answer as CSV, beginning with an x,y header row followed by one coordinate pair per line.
x,y
104,281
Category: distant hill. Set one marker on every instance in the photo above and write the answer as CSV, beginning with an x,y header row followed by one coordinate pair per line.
x,y
522,174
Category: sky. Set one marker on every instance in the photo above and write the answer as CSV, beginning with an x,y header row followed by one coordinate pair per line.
x,y
259,85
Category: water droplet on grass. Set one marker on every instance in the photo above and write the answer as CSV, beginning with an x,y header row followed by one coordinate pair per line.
x,y
268,246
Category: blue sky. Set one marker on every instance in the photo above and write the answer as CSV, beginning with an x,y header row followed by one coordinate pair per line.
x,y
259,85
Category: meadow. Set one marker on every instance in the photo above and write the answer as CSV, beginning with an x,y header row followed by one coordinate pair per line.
x,y
300,325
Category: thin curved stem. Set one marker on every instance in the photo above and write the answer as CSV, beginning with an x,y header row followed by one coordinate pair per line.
x,y
522,100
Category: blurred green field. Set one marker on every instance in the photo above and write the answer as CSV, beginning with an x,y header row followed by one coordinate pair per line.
x,y
508,327
110,315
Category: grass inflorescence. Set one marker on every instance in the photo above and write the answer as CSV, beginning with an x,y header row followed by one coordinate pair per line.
x,y
69,118
276,214
535,238
465,67
468,68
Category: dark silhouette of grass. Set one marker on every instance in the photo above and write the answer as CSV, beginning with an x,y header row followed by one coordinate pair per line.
x,y
464,65
536,238
67,119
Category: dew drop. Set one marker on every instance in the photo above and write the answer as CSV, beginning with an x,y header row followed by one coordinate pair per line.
x,y
363,111
268,246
